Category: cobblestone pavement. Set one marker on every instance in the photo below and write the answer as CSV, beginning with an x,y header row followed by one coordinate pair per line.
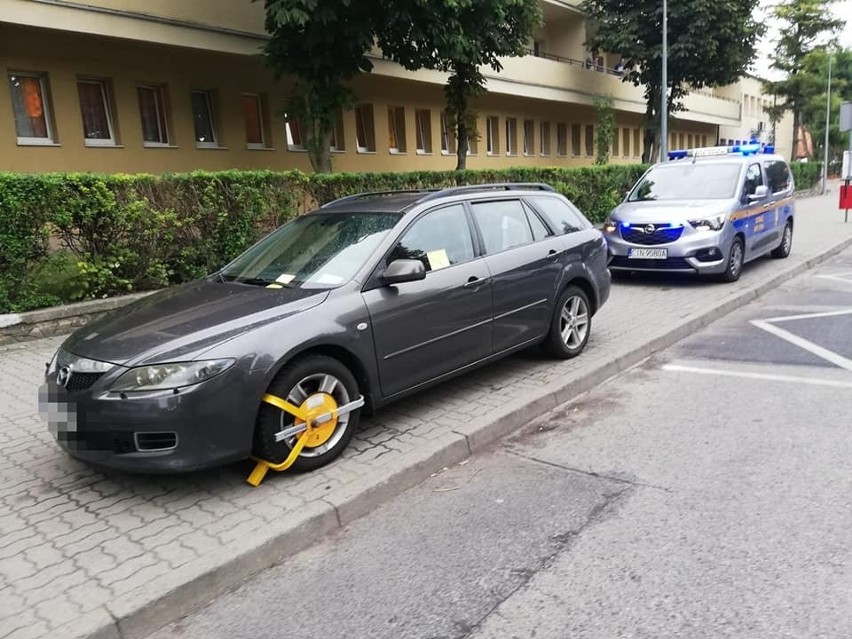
x,y
80,549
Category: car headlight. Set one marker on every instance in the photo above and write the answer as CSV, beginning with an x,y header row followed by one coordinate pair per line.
x,y
169,376
77,364
609,226
714,223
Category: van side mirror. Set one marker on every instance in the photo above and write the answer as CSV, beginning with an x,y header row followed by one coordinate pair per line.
x,y
401,271
760,193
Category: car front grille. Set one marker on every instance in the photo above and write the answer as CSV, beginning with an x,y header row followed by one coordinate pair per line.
x,y
82,381
661,235
670,264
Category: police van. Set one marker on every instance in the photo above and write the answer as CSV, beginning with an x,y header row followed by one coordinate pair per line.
x,y
706,211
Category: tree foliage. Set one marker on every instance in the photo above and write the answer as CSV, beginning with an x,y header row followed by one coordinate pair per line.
x,y
711,43
459,37
604,132
806,26
814,81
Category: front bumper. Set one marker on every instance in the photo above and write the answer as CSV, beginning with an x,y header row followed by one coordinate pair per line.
x,y
196,427
694,252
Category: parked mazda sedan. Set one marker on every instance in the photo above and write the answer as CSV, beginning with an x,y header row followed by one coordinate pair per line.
x,y
351,306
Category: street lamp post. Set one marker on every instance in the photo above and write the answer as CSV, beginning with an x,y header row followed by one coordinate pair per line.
x,y
827,125
664,100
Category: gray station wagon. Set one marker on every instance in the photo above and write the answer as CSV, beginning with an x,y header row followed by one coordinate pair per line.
x,y
356,304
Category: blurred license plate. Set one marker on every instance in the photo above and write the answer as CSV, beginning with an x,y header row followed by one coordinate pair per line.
x,y
647,254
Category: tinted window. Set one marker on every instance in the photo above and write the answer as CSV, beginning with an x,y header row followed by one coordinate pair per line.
x,y
563,217
754,179
777,175
503,224
439,239
539,230
685,180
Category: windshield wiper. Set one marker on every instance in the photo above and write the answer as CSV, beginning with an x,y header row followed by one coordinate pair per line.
x,y
261,281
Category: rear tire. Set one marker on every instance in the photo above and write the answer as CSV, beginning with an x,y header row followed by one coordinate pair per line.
x,y
782,251
311,378
571,324
736,259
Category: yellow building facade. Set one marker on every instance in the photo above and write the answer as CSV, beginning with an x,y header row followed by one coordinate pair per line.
x,y
177,85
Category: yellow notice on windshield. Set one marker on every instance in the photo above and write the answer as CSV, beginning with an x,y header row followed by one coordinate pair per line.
x,y
438,259
281,280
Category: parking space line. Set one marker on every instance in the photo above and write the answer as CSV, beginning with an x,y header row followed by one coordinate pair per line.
x,y
807,316
816,349
838,277
677,368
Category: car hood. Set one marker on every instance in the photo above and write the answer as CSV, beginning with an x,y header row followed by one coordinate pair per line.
x,y
652,212
183,321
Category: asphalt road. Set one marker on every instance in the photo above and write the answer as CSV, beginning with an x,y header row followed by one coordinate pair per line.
x,y
704,493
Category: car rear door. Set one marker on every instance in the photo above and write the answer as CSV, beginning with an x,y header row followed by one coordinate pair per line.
x,y
779,180
425,329
524,258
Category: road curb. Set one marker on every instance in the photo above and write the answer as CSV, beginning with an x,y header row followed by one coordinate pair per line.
x,y
166,599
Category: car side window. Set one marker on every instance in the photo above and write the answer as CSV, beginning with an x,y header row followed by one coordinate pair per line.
x,y
777,175
439,239
539,230
754,179
503,224
562,216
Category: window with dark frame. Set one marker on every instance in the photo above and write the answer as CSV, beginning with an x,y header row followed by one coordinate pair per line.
x,y
562,139
576,141
529,137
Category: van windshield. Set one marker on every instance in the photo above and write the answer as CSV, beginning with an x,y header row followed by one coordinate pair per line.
x,y
688,181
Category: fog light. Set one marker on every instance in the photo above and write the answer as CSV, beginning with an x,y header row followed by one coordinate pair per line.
x,y
708,255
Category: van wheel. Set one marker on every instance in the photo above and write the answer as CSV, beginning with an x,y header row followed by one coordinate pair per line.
x,y
570,326
736,258
783,249
315,383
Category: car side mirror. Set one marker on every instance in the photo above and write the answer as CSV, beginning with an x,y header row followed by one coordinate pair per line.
x,y
401,271
760,193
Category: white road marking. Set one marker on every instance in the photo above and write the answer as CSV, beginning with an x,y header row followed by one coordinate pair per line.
x,y
838,277
807,316
676,368
816,349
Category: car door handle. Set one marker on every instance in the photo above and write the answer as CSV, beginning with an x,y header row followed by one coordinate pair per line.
x,y
767,206
475,282
552,254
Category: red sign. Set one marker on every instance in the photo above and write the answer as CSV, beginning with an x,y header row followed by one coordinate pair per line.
x,y
846,196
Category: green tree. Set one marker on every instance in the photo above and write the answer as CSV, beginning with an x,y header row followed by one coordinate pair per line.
x,y
711,43
323,44
805,26
605,133
815,71
458,37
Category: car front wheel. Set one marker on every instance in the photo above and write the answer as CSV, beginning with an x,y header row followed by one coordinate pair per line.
x,y
318,386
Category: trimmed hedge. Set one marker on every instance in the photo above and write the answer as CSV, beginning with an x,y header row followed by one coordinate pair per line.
x,y
68,237
806,174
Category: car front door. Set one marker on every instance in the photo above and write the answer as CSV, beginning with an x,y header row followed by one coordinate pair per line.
x,y
761,214
525,261
425,329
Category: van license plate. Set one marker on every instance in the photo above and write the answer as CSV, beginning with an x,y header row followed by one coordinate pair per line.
x,y
647,254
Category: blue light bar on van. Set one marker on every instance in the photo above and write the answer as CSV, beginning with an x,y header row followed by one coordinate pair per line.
x,y
737,149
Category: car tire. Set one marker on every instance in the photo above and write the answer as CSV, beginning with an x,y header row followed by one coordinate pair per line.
x,y
571,324
782,251
313,378
736,259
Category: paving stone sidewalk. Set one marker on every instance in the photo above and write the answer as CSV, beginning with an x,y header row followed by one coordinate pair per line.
x,y
84,553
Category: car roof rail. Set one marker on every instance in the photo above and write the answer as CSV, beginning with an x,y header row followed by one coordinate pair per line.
x,y
368,194
473,188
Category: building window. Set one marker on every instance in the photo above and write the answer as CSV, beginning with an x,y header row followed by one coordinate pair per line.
x,y
590,140
365,132
423,119
152,109
625,142
338,142
689,141
637,143
492,135
293,129
202,118
254,120
473,141
576,143
616,151
448,138
544,138
30,106
95,108
703,140
562,139
396,130
511,136
529,137
681,140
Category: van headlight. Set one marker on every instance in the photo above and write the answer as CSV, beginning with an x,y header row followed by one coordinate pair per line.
x,y
714,223
169,376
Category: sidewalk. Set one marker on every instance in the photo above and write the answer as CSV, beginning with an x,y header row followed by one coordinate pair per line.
x,y
84,554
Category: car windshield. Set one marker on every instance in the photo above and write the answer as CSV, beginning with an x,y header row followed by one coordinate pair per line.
x,y
317,251
688,181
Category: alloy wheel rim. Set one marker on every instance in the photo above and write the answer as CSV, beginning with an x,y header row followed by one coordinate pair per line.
x,y
574,321
788,238
318,387
736,258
